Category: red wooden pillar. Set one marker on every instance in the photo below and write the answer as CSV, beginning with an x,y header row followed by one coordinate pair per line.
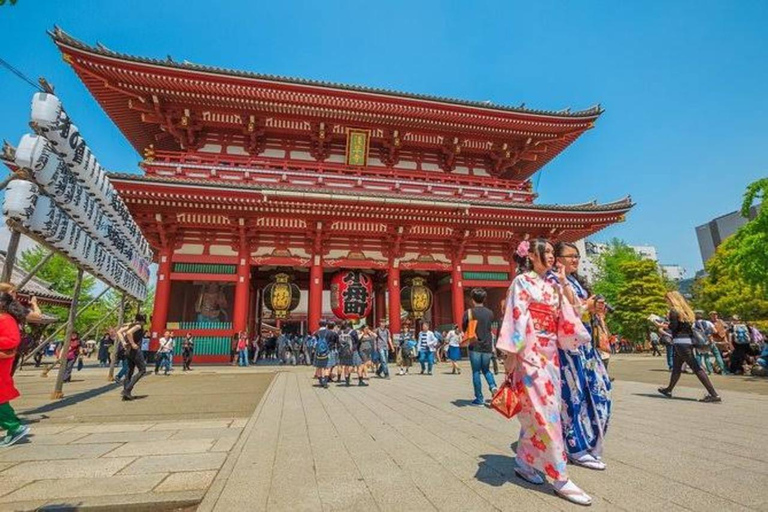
x,y
242,288
315,293
380,305
393,285
457,295
162,297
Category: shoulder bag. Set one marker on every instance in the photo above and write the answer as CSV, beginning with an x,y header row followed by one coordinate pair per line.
x,y
470,336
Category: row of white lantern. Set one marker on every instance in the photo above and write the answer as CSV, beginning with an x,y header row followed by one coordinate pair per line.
x,y
41,216
58,181
50,120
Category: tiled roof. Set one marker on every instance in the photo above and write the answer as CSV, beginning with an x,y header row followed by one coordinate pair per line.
x,y
623,204
37,287
63,38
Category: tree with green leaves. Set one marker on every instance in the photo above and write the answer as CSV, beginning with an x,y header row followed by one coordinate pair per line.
x,y
748,252
640,295
633,286
725,289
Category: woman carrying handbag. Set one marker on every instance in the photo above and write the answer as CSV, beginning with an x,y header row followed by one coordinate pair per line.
x,y
538,321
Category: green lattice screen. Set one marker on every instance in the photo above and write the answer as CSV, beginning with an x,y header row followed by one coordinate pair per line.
x,y
204,268
486,276
207,345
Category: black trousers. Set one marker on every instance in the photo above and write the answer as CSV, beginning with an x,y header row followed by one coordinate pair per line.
x,y
738,356
187,357
136,361
685,354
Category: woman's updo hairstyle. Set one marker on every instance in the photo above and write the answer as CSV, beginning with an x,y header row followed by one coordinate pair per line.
x,y
524,251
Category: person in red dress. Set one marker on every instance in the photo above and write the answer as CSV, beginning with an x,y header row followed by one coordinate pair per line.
x,y
12,314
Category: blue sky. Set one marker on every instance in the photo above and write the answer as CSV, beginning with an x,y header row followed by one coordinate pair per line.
x,y
684,84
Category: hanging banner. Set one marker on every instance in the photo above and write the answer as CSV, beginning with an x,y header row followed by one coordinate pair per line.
x,y
351,295
358,142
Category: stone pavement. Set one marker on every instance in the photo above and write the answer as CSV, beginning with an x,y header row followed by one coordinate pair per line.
x,y
94,450
410,443
414,443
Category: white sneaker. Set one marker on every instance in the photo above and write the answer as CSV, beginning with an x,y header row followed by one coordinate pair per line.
x,y
401,372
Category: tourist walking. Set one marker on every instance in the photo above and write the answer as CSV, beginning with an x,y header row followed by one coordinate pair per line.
x,y
364,350
187,349
382,346
427,346
12,316
586,387
105,345
132,335
453,340
165,353
740,340
73,353
323,355
242,349
721,346
348,341
655,342
476,325
534,327
406,352
680,326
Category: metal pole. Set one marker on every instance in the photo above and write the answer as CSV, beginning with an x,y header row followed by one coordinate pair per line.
x,y
57,391
10,257
62,326
113,351
35,270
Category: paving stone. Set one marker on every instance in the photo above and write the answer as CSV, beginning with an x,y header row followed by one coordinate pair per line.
x,y
224,444
166,447
206,433
192,425
124,437
78,488
174,463
9,483
186,481
44,452
61,438
88,468
6,465
111,427
239,423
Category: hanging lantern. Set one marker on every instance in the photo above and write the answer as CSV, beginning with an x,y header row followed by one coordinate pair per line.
x,y
417,298
351,295
281,296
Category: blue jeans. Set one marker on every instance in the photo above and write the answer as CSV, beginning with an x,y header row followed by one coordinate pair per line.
x,y
426,360
242,356
670,356
480,363
123,369
383,362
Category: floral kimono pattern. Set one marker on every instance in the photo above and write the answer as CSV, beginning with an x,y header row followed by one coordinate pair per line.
x,y
533,329
586,394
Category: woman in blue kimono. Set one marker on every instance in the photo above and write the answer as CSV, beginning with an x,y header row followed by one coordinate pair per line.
x,y
586,388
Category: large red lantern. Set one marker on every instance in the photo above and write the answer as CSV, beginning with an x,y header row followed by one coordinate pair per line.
x,y
351,295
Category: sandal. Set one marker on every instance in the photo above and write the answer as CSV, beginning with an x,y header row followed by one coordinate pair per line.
x,y
588,461
574,495
664,391
711,399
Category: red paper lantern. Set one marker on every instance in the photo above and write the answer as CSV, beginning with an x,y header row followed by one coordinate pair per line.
x,y
351,295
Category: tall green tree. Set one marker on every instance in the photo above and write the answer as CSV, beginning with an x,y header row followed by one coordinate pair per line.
x,y
748,252
610,277
58,271
641,294
725,289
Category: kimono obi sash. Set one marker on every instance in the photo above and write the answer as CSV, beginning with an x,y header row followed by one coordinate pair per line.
x,y
544,317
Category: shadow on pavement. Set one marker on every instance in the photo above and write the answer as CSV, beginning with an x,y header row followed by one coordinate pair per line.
x,y
71,400
651,395
464,403
497,470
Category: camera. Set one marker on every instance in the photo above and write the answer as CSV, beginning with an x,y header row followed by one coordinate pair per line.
x,y
608,307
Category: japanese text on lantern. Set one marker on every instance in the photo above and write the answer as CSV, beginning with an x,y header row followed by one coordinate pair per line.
x,y
357,147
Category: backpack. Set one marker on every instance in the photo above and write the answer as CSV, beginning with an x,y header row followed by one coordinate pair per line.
x,y
409,349
345,343
699,338
740,334
321,345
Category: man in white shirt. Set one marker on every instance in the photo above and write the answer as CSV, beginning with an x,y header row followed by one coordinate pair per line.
x,y
427,347
165,352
